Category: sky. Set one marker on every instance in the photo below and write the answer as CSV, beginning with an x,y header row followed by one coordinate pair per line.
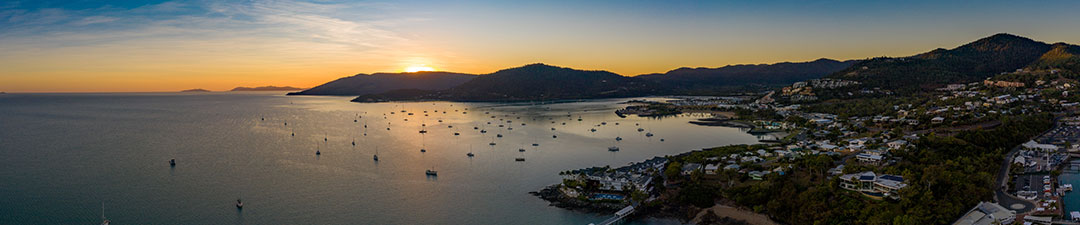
x,y
149,46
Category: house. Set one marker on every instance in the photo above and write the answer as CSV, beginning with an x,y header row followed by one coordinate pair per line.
x,y
689,168
732,167
836,170
869,158
757,175
897,144
873,185
987,213
711,169
937,120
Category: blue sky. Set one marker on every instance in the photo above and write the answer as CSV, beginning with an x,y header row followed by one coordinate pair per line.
x,y
163,45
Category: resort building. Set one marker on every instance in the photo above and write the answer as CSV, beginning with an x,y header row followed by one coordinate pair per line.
x,y
873,185
1032,145
987,213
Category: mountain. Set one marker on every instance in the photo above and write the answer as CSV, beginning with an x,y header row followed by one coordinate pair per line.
x,y
363,84
267,88
702,80
196,90
967,63
546,82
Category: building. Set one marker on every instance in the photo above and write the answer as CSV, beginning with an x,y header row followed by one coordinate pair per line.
x,y
897,144
689,168
1032,145
987,213
870,157
873,185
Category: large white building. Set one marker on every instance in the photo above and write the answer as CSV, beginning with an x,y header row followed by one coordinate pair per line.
x,y
987,213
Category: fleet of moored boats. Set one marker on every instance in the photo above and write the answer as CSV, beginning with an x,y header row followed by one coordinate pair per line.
x,y
423,131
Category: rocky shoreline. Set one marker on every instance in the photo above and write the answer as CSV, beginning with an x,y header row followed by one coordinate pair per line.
x,y
557,199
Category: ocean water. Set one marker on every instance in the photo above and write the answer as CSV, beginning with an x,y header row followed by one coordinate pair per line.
x,y
64,155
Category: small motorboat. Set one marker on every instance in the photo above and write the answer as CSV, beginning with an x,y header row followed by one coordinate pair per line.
x,y
423,150
470,154
554,136
521,150
431,173
613,148
618,138
640,129
492,143
456,133
498,135
519,159
648,134
536,144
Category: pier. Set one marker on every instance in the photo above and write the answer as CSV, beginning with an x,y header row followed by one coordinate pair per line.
x,y
622,213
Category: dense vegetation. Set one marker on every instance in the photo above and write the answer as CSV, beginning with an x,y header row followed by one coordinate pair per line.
x,y
744,77
946,176
971,62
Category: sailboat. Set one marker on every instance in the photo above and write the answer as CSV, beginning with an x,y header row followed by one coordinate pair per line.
x,y
172,162
317,152
239,204
376,156
470,154
431,172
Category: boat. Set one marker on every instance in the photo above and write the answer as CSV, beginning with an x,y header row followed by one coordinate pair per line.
x,y
470,154
519,159
431,173
172,162
483,131
317,152
492,143
593,130
239,204
648,134
423,150
618,138
554,136
521,150
423,131
640,129
552,128
104,220
536,144
613,148
509,128
661,139
498,135
376,156
456,133
475,128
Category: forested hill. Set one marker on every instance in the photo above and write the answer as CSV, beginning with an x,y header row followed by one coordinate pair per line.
x,y
974,61
703,80
363,84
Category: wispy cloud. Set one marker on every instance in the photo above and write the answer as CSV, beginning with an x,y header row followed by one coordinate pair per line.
x,y
293,27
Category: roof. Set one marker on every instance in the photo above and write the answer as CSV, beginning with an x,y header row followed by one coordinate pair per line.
x,y
986,213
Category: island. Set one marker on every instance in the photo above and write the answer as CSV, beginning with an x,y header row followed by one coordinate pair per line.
x,y
196,90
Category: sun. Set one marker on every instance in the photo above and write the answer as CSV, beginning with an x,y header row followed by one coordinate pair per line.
x,y
413,69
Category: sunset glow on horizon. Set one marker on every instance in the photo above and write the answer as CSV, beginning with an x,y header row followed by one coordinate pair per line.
x,y
145,46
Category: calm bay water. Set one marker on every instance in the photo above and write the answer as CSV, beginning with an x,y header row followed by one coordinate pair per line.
x,y
63,155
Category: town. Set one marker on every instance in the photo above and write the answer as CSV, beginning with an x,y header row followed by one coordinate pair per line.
x,y
873,151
